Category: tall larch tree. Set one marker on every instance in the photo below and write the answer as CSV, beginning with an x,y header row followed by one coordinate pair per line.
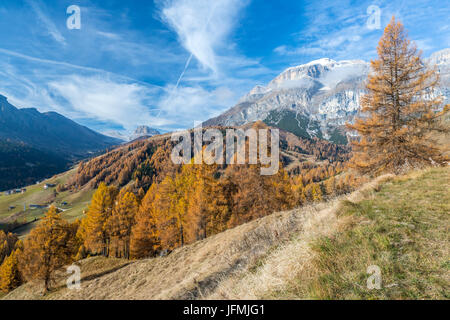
x,y
399,110
10,277
47,248
178,192
7,244
93,226
144,240
256,195
207,203
222,204
171,208
120,223
168,214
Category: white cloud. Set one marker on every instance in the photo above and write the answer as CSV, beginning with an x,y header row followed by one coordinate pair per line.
x,y
221,76
336,30
184,105
288,51
109,35
106,100
424,44
45,61
202,25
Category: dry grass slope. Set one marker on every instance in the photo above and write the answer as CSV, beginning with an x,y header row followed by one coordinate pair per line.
x,y
319,251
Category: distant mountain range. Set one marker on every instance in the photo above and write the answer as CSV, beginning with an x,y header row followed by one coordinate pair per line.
x,y
35,145
315,99
139,133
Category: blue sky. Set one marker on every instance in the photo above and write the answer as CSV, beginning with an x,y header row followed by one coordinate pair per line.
x,y
168,63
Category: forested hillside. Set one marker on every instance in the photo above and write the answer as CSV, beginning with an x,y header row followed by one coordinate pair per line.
x,y
22,165
35,145
298,254
143,162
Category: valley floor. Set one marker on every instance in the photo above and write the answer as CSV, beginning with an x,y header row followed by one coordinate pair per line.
x,y
71,203
399,224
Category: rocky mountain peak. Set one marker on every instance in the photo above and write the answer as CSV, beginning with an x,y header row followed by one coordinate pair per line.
x,y
144,131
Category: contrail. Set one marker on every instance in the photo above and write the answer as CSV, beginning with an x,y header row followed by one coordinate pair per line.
x,y
184,71
191,56
73,66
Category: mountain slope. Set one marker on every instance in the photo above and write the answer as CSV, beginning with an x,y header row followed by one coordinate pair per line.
x,y
49,131
319,251
144,161
36,145
398,225
140,163
22,165
315,99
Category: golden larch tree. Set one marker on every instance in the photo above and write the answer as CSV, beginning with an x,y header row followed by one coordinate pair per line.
x,y
203,202
399,110
10,277
144,240
165,213
48,247
172,207
7,244
257,195
120,222
93,226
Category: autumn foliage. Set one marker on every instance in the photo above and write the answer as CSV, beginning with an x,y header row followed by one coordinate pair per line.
x,y
195,203
10,277
51,245
189,203
400,109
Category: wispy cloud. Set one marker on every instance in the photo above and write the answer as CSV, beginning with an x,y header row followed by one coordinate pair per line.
x,y
67,65
107,100
202,26
336,30
221,75
212,83
46,21
109,35
78,92
339,29
187,104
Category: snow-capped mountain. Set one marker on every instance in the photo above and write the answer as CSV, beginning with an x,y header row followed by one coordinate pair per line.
x,y
315,99
144,131
441,60
139,132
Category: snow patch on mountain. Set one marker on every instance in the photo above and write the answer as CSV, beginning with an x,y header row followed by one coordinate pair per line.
x,y
139,132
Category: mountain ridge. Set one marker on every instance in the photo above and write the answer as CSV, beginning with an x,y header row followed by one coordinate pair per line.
x,y
50,131
35,145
